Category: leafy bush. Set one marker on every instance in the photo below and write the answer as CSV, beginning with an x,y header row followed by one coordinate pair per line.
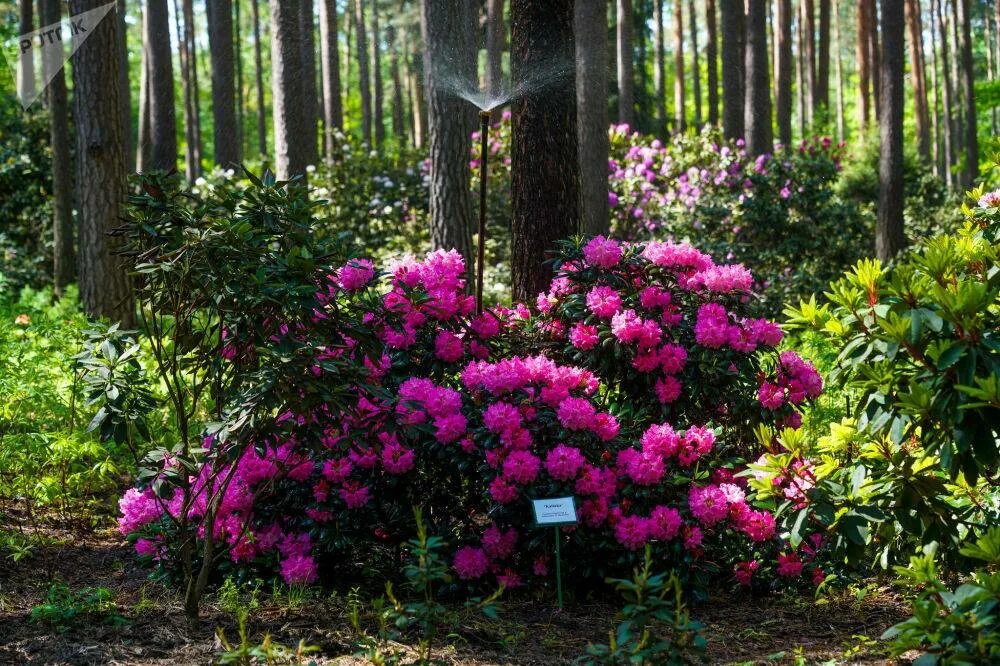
x,y
64,607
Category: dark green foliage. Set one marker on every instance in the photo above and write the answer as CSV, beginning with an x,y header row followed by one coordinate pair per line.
x,y
64,607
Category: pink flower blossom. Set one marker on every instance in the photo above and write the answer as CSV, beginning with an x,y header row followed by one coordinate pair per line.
x,y
583,336
563,462
603,301
355,274
470,563
602,252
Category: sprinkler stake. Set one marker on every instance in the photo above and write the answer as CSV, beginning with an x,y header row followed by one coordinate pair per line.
x,y
484,119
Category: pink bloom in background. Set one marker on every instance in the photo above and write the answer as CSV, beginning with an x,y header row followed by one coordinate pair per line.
x,y
563,462
470,563
602,252
576,413
397,460
708,504
583,336
299,569
448,347
503,491
603,301
632,532
664,523
606,427
138,508
990,200
667,389
354,495
712,326
499,544
789,565
355,274
744,571
661,439
521,467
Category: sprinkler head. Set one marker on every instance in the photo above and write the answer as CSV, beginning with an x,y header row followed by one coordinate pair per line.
x,y
484,114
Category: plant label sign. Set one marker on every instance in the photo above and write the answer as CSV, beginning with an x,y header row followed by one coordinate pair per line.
x,y
555,511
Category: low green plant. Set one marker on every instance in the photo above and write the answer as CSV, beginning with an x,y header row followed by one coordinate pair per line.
x,y
64,607
655,627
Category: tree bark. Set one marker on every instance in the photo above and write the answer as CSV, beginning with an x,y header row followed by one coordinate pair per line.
x,y
821,93
758,89
192,49
240,107
948,153
105,289
62,157
680,121
447,28
124,98
873,46
864,64
695,65
398,96
712,57
333,107
364,79
733,63
310,92
26,64
220,42
659,75
259,82
144,144
838,61
971,171
545,175
162,114
291,139
889,238
591,37
420,110
935,96
783,94
379,92
917,75
626,84
808,55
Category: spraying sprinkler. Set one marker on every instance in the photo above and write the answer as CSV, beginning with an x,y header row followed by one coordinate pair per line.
x,y
484,121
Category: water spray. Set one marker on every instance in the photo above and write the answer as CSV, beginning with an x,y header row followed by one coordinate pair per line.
x,y
484,122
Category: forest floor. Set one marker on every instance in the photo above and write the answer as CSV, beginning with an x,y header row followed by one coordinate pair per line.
x,y
149,625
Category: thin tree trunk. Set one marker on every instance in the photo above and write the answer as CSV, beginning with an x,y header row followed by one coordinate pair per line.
x,y
125,96
948,157
189,31
105,290
144,142
800,88
913,23
420,109
821,93
240,109
808,55
838,62
659,75
971,172
26,64
63,269
220,41
680,121
642,110
259,76
447,27
864,64
333,108
186,91
626,85
310,90
988,38
162,114
733,63
591,36
496,42
935,96
712,56
545,176
291,140
873,37
695,65
783,96
958,120
364,79
889,238
379,91
398,106
758,89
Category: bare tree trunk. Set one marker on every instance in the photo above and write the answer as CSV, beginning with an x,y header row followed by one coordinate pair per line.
x,y
420,110
379,95
291,140
679,110
913,23
935,99
240,108
191,139
26,65
259,76
105,290
159,61
310,91
948,157
783,96
889,238
758,89
189,32
124,98
545,176
712,56
957,114
733,63
821,93
62,157
398,105
447,27
626,85
971,172
496,42
873,47
364,79
659,76
800,94
864,64
807,26
220,41
695,65
591,36
838,61
144,144
333,108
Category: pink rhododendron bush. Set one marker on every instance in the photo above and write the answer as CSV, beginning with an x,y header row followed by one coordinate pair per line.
x,y
634,384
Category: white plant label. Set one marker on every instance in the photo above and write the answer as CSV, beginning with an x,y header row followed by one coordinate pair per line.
x,y
555,511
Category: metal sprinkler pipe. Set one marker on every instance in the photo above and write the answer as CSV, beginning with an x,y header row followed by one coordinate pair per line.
x,y
484,120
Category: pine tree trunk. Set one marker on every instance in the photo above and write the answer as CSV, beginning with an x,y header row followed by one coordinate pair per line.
x,y
935,97
971,172
864,64
680,122
783,94
189,31
821,94
758,89
733,63
420,110
913,23
364,79
496,42
105,290
310,91
162,114
958,120
876,55
63,270
124,98
190,139
240,109
948,143
378,88
712,56
545,175
259,81
889,238
626,85
26,64
291,140
447,29
398,105
838,62
659,75
333,107
591,33
144,143
695,65
800,94
808,55
220,41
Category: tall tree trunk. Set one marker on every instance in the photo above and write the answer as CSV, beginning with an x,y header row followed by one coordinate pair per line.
x,y
821,93
191,140
63,269
333,108
292,141
958,120
591,36
712,56
626,84
971,172
935,96
864,64
915,28
695,65
758,89
259,81
240,107
364,79
545,176
192,49
220,42
420,110
948,144
143,144
733,63
310,91
26,64
659,75
838,62
889,238
379,91
783,95
873,46
808,55
447,28
159,61
800,88
679,105
398,105
125,96
496,42
642,107
105,289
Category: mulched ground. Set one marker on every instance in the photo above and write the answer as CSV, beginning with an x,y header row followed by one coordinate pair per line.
x,y
740,630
